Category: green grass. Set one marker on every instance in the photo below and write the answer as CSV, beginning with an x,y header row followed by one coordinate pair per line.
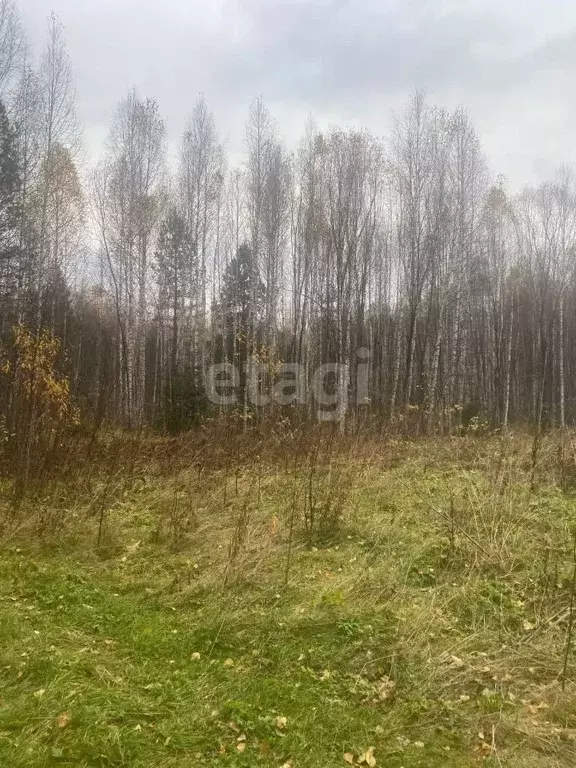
x,y
430,625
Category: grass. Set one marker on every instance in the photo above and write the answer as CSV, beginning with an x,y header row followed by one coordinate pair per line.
x,y
197,617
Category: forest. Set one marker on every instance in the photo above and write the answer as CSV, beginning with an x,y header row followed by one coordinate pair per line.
x,y
146,270
287,448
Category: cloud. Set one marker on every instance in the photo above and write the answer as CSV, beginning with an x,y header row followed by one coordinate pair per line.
x,y
512,63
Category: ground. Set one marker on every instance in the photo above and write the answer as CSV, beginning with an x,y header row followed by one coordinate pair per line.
x,y
385,602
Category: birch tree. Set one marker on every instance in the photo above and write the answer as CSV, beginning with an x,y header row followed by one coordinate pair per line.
x,y
130,195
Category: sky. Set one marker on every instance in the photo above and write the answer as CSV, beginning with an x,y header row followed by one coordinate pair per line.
x,y
511,63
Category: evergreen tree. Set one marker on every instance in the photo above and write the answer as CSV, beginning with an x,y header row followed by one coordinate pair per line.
x,y
177,272
178,276
242,302
243,292
9,187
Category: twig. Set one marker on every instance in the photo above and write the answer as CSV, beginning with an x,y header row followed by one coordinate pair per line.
x,y
445,516
570,613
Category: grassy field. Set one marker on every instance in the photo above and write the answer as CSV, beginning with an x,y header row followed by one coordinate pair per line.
x,y
387,603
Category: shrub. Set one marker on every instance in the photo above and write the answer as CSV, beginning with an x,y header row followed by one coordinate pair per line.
x,y
39,402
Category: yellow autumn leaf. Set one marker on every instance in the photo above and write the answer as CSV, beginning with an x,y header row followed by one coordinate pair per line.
x,y
527,626
368,758
63,720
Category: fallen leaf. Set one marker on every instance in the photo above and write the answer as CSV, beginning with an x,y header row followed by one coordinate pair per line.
x,y
385,687
281,722
527,626
368,758
241,746
63,720
349,758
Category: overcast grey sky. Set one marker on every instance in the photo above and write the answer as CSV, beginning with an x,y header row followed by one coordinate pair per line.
x,y
512,63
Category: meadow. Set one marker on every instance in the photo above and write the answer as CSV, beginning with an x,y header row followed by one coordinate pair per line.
x,y
292,599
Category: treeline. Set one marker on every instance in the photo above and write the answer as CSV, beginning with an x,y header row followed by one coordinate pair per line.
x,y
404,254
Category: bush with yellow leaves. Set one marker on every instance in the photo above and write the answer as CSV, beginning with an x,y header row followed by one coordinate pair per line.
x,y
40,406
